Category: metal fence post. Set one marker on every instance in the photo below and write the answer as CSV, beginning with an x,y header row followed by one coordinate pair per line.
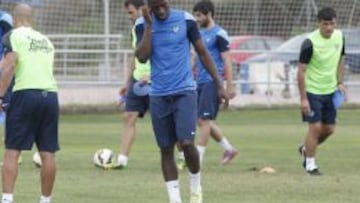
x,y
105,73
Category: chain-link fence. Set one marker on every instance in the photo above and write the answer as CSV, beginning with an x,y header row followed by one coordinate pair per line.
x,y
93,43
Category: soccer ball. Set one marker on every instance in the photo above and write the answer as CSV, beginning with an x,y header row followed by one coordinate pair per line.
x,y
36,159
104,158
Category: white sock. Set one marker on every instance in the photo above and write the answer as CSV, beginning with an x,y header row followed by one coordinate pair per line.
x,y
310,163
195,182
173,189
201,150
44,199
123,160
181,155
225,144
7,198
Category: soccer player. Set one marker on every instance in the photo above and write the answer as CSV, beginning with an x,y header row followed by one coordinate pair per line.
x,y
165,36
135,106
217,41
320,73
6,24
33,111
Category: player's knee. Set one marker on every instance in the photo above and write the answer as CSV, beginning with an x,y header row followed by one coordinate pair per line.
x,y
167,153
47,157
203,122
316,129
185,144
130,118
328,130
166,150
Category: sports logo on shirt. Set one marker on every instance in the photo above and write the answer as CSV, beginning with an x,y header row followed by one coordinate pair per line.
x,y
41,45
176,28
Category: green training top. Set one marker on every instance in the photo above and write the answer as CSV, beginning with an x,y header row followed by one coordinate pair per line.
x,y
141,69
321,72
35,58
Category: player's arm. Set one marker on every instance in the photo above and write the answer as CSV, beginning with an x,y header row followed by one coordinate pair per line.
x,y
7,69
193,64
129,75
193,60
130,69
130,72
305,56
223,45
143,50
207,61
195,38
341,70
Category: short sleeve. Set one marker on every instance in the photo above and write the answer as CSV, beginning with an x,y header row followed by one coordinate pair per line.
x,y
7,19
6,23
306,52
343,48
193,32
139,29
7,43
222,41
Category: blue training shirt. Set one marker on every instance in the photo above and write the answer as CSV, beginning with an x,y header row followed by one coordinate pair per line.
x,y
6,25
217,41
170,52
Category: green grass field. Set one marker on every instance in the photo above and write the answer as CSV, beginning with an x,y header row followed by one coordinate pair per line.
x,y
263,137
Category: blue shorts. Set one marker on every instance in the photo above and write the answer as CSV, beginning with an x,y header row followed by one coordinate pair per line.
x,y
322,109
208,101
174,117
135,103
32,116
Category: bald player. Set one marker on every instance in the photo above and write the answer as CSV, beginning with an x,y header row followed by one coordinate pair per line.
x,y
33,112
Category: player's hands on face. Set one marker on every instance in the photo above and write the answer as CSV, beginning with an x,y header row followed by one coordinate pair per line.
x,y
146,11
305,106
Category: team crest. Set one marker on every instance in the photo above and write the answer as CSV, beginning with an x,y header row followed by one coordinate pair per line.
x,y
176,28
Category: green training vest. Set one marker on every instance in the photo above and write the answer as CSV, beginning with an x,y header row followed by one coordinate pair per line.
x,y
35,58
321,72
141,69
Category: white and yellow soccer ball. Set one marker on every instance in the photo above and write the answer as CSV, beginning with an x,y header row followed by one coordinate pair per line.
x,y
36,159
104,158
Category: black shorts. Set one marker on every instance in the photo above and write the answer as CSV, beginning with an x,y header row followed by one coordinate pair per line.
x,y
208,101
322,109
173,117
135,103
32,117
